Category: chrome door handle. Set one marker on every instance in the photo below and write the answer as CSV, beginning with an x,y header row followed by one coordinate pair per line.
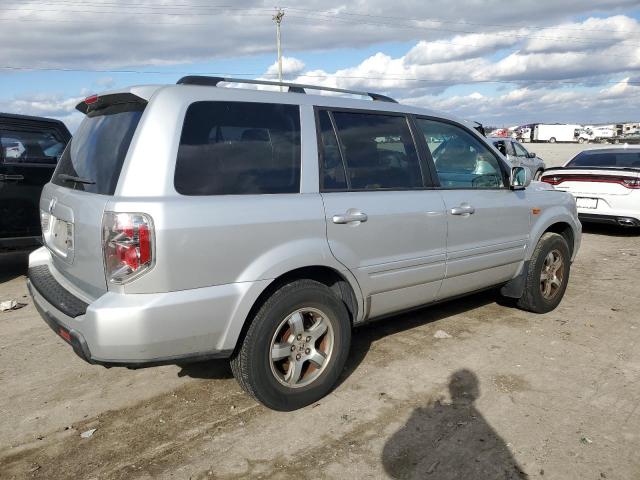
x,y
350,217
11,177
462,210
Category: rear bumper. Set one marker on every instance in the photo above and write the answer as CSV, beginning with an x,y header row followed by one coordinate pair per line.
x,y
620,220
143,329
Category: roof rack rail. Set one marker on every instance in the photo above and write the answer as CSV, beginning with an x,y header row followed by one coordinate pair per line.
x,y
293,87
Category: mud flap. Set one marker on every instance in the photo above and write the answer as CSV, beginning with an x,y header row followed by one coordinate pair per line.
x,y
514,288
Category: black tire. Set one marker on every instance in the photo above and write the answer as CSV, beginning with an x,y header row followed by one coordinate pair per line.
x,y
533,299
581,140
538,174
251,363
552,140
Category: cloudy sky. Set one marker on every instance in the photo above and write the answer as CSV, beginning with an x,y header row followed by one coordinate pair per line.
x,y
498,62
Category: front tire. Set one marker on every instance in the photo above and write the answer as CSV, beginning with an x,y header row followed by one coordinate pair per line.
x,y
548,274
295,347
552,140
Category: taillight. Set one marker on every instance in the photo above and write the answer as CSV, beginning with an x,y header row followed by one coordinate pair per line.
x,y
127,241
631,182
553,180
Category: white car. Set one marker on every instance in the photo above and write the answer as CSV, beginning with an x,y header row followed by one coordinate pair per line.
x,y
605,184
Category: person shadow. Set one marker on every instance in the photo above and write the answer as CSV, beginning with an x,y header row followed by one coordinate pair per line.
x,y
450,441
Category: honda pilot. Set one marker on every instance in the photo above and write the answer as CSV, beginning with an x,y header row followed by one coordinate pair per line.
x,y
196,221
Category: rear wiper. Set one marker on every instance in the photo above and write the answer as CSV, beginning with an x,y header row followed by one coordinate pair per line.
x,y
70,178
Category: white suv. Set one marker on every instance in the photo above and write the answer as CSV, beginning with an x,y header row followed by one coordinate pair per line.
x,y
191,221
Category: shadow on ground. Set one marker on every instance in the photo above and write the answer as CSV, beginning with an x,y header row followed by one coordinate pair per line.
x,y
611,230
13,265
450,441
364,336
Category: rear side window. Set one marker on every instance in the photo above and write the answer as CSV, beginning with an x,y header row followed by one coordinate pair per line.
x,y
378,151
93,159
239,148
608,159
42,147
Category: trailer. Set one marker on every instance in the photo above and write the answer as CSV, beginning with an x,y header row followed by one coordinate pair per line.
x,y
558,132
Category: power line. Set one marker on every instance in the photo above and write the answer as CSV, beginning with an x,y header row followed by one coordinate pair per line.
x,y
323,12
350,77
319,17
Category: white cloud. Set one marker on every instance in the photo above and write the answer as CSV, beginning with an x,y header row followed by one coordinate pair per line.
x,y
461,47
525,105
290,66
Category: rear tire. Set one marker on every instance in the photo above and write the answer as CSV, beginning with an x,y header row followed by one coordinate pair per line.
x,y
552,140
285,361
548,274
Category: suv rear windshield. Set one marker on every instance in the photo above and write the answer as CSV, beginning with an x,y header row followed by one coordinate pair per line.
x,y
93,159
606,159
239,148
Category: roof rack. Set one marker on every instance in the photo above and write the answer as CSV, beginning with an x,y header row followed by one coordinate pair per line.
x,y
293,87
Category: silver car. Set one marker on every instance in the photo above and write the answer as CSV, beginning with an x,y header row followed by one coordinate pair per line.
x,y
519,156
194,221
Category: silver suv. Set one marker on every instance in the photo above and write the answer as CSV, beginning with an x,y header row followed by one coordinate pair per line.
x,y
194,221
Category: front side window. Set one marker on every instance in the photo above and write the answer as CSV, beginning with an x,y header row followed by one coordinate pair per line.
x,y
378,151
42,147
239,148
461,160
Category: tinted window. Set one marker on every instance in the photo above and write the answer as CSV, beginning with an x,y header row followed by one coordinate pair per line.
x,y
333,173
234,148
505,147
606,159
97,150
378,150
461,160
23,146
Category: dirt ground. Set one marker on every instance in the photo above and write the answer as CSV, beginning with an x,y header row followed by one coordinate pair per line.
x,y
509,395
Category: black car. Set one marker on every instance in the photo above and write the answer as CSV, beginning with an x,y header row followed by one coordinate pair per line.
x,y
29,151
631,138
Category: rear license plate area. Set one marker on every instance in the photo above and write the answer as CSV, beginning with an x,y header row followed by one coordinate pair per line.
x,y
582,202
61,237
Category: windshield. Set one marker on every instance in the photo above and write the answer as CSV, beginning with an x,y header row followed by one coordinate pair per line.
x,y
606,159
97,150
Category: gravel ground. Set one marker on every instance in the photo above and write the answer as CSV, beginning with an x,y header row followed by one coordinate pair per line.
x,y
509,395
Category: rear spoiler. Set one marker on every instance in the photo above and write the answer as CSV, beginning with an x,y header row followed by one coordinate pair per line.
x,y
115,101
624,169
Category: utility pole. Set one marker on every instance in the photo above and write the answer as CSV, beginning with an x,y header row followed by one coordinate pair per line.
x,y
278,19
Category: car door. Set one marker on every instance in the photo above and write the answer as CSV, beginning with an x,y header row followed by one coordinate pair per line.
x,y
487,222
29,155
382,223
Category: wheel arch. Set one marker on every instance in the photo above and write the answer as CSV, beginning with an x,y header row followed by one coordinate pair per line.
x,y
515,287
341,283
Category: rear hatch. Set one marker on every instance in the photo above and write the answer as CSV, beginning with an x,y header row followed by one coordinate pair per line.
x,y
72,205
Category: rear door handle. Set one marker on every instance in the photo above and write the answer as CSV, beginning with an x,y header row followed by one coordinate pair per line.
x,y
350,217
11,177
463,209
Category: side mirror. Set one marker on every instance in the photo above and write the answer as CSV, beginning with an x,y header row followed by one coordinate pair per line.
x,y
520,178
531,155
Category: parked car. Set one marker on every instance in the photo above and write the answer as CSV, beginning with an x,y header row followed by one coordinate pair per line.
x,y
192,221
29,150
605,182
629,138
519,156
